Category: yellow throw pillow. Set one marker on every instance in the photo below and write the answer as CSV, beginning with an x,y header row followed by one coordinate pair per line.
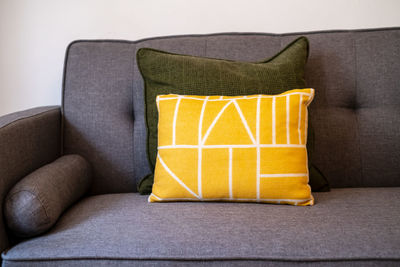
x,y
244,148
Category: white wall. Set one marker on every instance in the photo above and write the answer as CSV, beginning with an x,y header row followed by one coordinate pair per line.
x,y
35,33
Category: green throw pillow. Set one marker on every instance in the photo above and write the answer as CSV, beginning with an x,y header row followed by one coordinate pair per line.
x,y
168,73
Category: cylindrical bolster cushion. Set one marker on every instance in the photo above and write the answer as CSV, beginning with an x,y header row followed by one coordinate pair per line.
x,y
35,203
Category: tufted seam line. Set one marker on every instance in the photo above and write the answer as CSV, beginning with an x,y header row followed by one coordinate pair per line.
x,y
134,63
356,110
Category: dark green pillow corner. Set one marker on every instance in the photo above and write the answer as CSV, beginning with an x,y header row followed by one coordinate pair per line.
x,y
168,73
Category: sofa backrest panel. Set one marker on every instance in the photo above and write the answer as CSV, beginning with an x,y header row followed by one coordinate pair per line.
x,y
98,111
355,114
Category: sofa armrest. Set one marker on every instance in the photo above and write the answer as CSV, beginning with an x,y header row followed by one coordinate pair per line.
x,y
28,140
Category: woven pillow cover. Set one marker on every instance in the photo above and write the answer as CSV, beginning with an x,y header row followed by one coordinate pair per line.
x,y
242,148
168,73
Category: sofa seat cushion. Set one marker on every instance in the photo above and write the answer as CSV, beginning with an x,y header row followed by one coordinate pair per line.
x,y
344,225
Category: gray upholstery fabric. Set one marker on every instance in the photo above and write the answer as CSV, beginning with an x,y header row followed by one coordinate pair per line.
x,y
35,203
377,106
344,225
354,114
28,140
98,112
173,263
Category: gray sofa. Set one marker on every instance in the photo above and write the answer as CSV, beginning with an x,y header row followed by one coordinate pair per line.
x,y
355,116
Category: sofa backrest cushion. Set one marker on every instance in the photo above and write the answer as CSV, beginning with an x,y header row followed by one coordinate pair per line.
x,y
354,114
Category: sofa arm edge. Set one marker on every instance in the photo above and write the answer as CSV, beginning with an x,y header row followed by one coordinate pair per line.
x,y
14,117
29,139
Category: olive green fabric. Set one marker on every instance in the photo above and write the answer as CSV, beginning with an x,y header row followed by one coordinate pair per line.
x,y
168,73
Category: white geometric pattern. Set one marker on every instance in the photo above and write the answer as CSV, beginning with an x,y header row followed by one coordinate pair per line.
x,y
254,137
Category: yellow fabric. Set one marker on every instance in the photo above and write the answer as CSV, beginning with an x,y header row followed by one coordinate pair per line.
x,y
244,148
